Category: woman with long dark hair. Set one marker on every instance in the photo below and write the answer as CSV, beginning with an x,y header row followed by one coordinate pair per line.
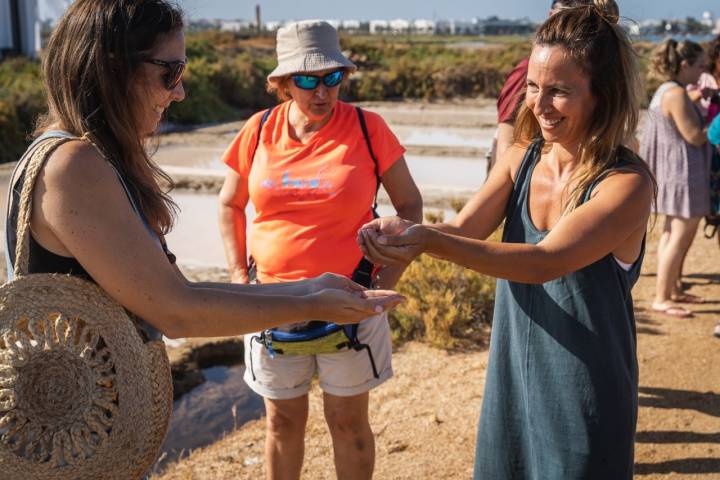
x,y
112,67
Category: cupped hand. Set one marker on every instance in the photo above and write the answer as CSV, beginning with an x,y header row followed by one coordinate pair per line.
x,y
334,281
387,225
399,249
342,307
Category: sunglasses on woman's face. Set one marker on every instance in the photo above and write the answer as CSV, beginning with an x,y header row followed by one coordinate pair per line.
x,y
174,73
310,82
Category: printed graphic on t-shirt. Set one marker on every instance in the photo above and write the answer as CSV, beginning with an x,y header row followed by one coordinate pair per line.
x,y
287,183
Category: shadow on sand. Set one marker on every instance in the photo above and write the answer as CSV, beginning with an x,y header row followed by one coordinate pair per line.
x,y
686,466
703,402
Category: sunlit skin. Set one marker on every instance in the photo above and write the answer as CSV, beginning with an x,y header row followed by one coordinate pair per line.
x,y
558,94
311,109
613,221
150,79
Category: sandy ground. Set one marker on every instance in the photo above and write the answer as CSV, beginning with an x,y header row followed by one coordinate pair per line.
x,y
425,417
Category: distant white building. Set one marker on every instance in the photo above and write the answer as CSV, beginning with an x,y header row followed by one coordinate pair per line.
x,y
399,26
235,25
717,27
423,27
350,25
335,23
707,19
273,26
379,27
19,27
458,27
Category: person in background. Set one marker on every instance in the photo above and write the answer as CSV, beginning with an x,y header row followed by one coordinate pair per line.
x,y
674,144
714,139
706,91
512,95
561,391
311,176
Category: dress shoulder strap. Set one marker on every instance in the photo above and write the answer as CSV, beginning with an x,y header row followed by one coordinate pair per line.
x,y
524,173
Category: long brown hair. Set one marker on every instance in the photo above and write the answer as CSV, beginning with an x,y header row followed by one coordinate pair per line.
x,y
592,38
90,65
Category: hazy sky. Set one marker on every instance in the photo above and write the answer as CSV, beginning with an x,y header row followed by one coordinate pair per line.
x,y
388,9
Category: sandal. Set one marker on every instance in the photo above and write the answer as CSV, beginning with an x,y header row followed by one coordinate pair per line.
x,y
672,310
687,298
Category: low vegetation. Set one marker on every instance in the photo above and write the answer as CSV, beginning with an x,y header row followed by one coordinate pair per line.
x,y
226,77
447,305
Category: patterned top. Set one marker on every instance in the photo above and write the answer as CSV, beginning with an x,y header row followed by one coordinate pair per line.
x,y
682,170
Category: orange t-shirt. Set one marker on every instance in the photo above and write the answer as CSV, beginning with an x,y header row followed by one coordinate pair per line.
x,y
310,199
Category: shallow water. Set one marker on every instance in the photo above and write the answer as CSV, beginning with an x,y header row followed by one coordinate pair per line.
x,y
442,137
196,241
208,412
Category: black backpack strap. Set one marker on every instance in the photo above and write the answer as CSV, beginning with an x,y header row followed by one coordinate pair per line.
x,y
263,120
363,126
351,332
364,269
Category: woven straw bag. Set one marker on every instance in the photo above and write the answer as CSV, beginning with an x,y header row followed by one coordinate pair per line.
x,y
81,395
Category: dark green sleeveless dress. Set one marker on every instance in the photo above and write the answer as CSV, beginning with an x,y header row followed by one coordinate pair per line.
x,y
561,391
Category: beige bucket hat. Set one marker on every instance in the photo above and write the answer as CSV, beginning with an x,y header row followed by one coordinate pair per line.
x,y
308,46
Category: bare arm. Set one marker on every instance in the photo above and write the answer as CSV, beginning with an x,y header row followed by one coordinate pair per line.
x,y
406,199
80,202
234,197
615,217
504,138
484,213
678,106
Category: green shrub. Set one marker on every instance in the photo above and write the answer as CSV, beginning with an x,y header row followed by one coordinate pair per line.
x,y
22,100
203,103
446,304
12,138
227,71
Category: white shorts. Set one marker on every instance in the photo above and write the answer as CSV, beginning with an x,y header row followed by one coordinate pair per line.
x,y
345,373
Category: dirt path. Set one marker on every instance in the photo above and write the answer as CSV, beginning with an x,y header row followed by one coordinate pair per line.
x,y
425,417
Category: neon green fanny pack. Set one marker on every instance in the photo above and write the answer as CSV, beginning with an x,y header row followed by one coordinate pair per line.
x,y
326,338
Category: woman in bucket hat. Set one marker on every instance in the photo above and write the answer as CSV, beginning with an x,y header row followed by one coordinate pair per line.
x,y
85,201
311,166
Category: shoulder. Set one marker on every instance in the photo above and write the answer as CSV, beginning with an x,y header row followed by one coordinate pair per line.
x,y
631,179
674,93
512,159
253,123
373,120
74,162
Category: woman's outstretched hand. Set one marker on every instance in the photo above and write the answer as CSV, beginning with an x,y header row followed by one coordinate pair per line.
x,y
334,281
391,241
342,306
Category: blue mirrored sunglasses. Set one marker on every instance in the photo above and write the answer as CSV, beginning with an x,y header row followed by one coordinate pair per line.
x,y
310,82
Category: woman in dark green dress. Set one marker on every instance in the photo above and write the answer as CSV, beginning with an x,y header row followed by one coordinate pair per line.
x,y
561,391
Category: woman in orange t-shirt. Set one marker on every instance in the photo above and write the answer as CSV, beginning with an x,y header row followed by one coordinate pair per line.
x,y
310,174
